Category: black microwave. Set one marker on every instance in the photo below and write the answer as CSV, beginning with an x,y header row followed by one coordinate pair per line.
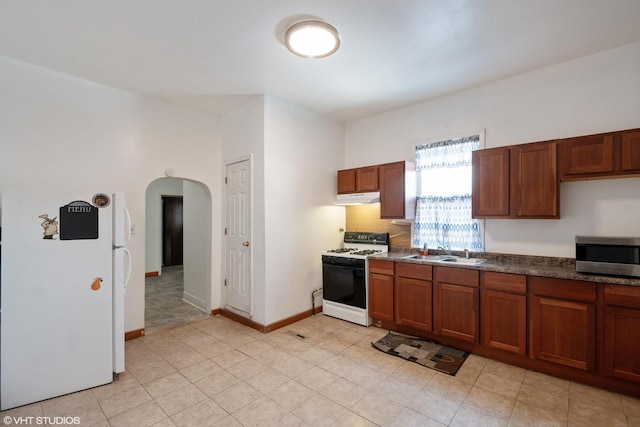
x,y
615,256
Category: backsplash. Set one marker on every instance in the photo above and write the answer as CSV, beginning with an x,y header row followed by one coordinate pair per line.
x,y
367,218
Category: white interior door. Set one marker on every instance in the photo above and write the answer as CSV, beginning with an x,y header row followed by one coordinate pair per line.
x,y
238,281
56,327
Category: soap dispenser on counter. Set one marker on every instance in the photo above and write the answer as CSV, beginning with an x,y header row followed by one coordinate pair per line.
x,y
424,251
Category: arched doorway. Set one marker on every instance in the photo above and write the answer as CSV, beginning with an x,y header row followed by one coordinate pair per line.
x,y
179,293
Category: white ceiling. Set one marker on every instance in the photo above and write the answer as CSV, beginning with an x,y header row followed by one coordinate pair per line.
x,y
214,55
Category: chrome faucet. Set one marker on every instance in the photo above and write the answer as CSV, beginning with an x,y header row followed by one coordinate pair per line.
x,y
466,253
447,251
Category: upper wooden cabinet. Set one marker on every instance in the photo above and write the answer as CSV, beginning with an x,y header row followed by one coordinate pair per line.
x,y
630,151
534,181
607,155
347,181
358,180
397,190
586,155
491,182
519,181
395,181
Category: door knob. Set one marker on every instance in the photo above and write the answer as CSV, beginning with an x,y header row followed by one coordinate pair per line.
x,y
245,244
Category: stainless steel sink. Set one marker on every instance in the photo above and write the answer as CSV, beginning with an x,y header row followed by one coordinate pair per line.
x,y
427,257
470,261
446,258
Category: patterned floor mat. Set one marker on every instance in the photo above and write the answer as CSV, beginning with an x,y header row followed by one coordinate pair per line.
x,y
427,353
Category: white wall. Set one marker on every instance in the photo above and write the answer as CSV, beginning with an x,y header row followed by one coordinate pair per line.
x,y
67,132
598,93
242,135
153,219
197,246
303,151
295,155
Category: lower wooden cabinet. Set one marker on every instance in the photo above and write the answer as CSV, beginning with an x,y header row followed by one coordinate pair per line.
x,y
563,322
504,312
413,296
580,330
456,303
622,331
381,295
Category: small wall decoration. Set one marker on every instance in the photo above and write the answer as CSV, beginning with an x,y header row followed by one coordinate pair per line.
x,y
50,226
101,200
78,220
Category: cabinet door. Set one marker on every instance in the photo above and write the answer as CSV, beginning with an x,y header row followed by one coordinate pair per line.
x,y
563,332
586,155
413,302
504,321
367,179
631,152
455,311
622,331
381,296
534,181
490,188
346,181
392,190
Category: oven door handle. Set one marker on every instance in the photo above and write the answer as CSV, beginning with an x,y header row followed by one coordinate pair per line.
x,y
345,267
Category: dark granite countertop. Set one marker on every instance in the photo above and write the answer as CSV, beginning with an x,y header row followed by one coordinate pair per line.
x,y
560,268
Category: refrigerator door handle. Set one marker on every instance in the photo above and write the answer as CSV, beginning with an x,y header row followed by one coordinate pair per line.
x,y
128,227
126,280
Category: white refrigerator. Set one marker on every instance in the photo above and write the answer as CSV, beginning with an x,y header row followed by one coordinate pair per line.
x,y
63,274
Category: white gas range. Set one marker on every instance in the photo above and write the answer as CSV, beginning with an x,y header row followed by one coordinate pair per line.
x,y
345,271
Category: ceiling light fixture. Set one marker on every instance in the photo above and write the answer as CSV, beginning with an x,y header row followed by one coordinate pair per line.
x,y
312,38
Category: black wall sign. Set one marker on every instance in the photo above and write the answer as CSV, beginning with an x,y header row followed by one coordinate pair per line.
x,y
78,220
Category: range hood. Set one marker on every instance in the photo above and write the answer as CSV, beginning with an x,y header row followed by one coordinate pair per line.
x,y
357,198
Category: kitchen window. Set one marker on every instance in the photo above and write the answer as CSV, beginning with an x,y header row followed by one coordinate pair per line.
x,y
443,211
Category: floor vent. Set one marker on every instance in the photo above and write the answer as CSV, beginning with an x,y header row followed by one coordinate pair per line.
x,y
295,334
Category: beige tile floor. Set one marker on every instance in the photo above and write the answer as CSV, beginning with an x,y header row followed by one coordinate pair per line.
x,y
164,305
217,372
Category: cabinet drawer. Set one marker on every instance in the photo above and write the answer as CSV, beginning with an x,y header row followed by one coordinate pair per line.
x,y
381,267
623,296
457,276
415,271
571,290
503,282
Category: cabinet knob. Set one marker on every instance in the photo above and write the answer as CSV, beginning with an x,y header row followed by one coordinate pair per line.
x,y
245,244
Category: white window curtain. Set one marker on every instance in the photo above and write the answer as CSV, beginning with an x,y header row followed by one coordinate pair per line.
x,y
443,214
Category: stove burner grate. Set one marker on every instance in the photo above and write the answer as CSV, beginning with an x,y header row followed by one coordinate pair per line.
x,y
341,250
367,252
